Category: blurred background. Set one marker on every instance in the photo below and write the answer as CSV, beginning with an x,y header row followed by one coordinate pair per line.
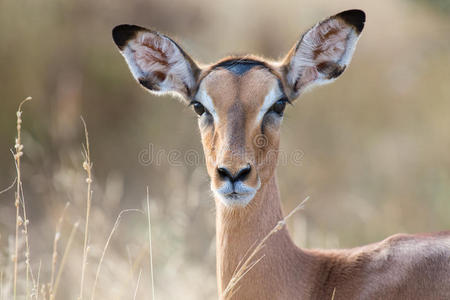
x,y
375,144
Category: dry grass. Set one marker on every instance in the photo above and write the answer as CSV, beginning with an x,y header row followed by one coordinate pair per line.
x,y
34,287
149,247
55,251
64,260
21,220
99,267
37,288
87,166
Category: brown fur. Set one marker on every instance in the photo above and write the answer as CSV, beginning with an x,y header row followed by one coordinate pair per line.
x,y
286,271
230,142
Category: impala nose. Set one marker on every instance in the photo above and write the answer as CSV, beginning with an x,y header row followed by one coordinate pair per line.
x,y
240,175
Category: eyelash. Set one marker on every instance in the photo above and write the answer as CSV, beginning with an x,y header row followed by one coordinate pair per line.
x,y
199,108
279,106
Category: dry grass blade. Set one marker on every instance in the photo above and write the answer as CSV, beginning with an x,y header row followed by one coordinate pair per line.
x,y
1,285
137,285
241,261
249,263
29,271
55,249
334,293
249,267
150,245
116,224
36,287
9,187
87,166
64,259
19,221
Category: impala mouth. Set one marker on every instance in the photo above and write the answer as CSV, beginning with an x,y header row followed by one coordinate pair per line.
x,y
235,199
235,194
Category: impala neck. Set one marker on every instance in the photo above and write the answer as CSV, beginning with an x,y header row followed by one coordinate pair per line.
x,y
238,229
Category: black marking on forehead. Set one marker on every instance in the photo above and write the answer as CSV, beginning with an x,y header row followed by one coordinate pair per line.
x,y
240,66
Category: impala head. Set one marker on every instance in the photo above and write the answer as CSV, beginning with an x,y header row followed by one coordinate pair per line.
x,y
240,101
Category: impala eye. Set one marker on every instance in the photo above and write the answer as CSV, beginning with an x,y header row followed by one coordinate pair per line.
x,y
279,106
198,108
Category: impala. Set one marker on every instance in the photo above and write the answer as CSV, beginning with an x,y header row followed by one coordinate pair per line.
x,y
240,102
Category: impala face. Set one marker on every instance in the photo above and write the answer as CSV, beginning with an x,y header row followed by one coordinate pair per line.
x,y
240,105
240,101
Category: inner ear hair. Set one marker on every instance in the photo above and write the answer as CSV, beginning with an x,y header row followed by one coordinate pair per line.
x,y
330,69
157,62
324,51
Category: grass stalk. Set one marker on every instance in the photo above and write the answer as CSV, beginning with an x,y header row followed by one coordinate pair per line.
x,y
36,286
150,245
17,155
249,263
29,271
1,285
87,166
116,224
63,260
9,187
55,249
137,285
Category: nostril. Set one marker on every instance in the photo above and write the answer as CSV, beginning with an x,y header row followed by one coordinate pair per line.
x,y
224,174
243,173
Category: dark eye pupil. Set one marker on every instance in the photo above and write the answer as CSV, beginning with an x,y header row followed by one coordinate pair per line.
x,y
279,107
199,108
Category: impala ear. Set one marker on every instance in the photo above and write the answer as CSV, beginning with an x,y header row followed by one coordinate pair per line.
x,y
324,51
155,60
